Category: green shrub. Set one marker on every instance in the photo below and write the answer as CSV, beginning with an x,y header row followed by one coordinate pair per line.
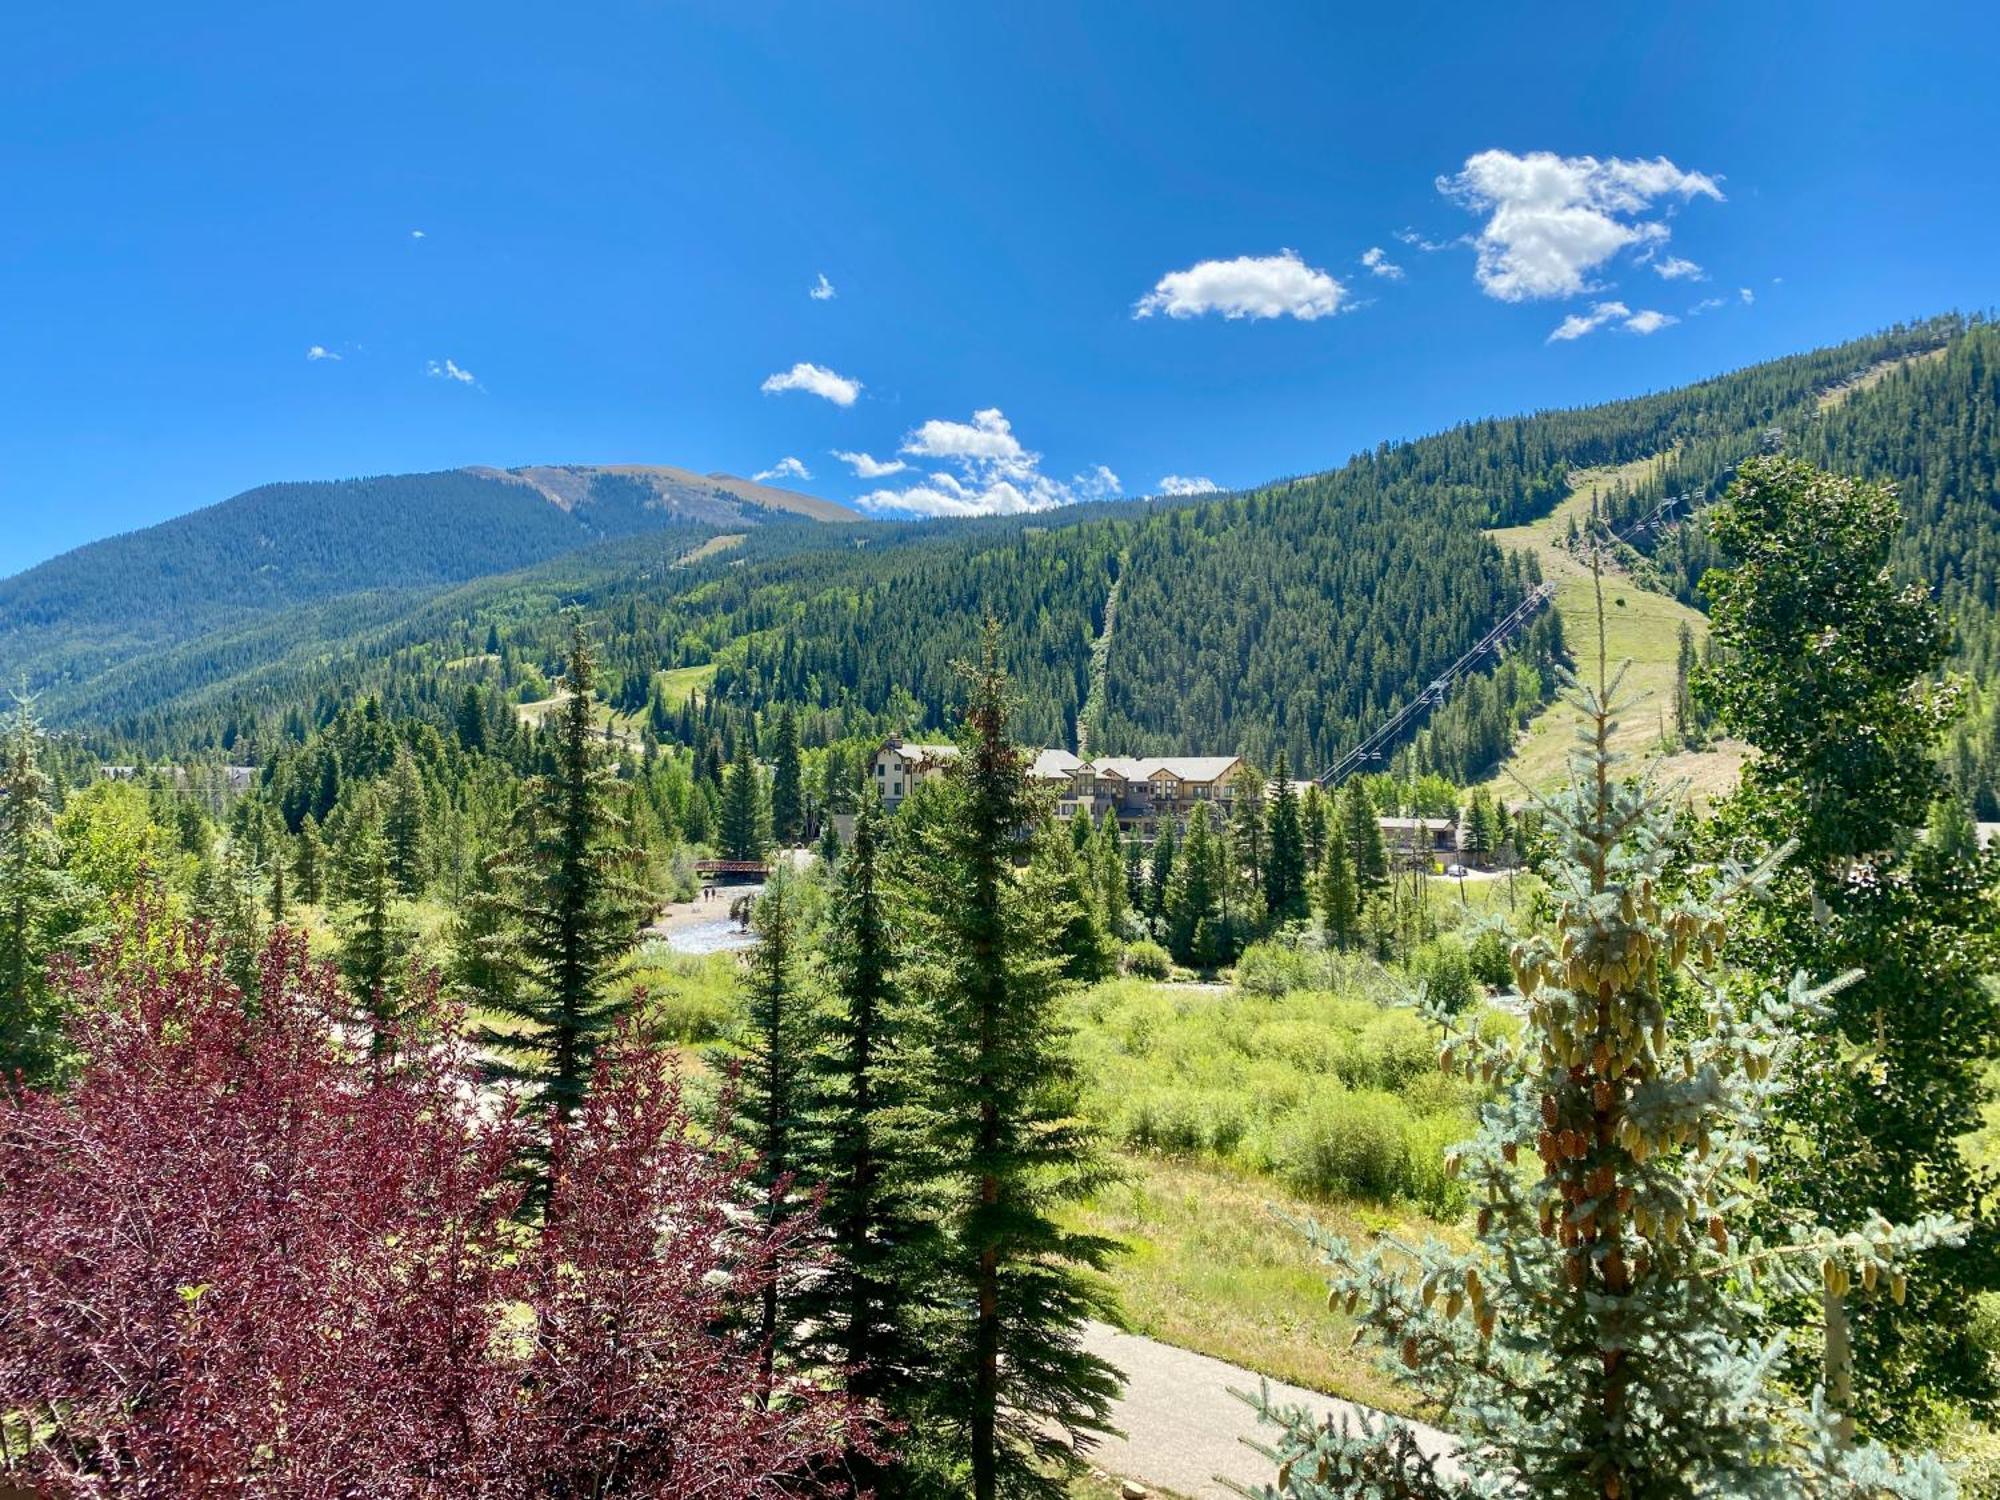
x,y
1343,1142
1490,964
1147,960
1446,972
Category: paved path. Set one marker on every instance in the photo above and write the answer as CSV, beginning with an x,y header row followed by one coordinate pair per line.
x,y
1183,1428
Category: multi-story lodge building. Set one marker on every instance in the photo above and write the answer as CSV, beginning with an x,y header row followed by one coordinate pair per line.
x,y
1143,793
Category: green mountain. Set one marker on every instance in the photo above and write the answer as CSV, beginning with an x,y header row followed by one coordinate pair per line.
x,y
282,546
1291,619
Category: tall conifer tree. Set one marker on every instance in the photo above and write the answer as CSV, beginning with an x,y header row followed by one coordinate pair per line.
x,y
1601,1339
998,1115
788,807
31,892
571,891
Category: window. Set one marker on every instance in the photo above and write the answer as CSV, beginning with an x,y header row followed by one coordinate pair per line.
x,y
896,790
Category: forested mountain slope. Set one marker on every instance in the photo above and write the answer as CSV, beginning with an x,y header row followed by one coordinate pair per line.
x,y
1288,619
284,545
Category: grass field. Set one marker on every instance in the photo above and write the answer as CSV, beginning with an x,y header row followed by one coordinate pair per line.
x,y
1640,626
1211,1264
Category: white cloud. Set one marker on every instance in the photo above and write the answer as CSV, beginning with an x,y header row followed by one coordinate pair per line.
x,y
785,468
867,466
1553,220
987,438
1260,286
1576,325
841,390
1183,484
449,370
1707,304
822,291
320,351
1674,268
416,234
1380,264
1746,294
991,473
1603,314
1416,241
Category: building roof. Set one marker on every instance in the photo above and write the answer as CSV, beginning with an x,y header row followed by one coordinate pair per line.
x,y
1197,768
1429,825
1053,765
919,754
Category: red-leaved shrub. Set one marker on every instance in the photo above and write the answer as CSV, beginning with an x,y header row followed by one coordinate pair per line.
x,y
237,1259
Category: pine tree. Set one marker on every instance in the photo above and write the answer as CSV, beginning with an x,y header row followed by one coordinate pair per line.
x,y
1248,827
373,945
1339,904
1601,1339
865,1302
1364,839
1285,859
404,824
743,832
571,892
1107,858
1193,901
1084,939
1687,724
769,1115
309,863
1828,666
788,809
1159,873
998,1117
32,891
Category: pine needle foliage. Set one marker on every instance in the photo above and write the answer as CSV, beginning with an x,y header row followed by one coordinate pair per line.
x,y
1015,1391
1603,1338
569,887
32,888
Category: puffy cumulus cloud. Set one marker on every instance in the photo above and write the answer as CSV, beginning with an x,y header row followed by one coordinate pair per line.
x,y
816,380
1746,294
990,473
417,234
987,438
785,468
1376,260
320,351
1605,314
446,369
1250,286
822,290
1553,220
1186,484
867,466
1677,268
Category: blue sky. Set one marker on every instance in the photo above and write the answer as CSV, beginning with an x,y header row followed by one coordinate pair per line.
x,y
540,234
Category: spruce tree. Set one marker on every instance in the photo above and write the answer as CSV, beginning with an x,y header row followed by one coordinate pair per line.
x,y
865,1304
309,863
1084,940
1364,840
32,890
1192,904
768,1116
1159,873
1828,666
1339,903
1285,857
405,820
1016,1392
788,808
1107,858
373,946
742,834
1602,1338
570,890
1249,828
